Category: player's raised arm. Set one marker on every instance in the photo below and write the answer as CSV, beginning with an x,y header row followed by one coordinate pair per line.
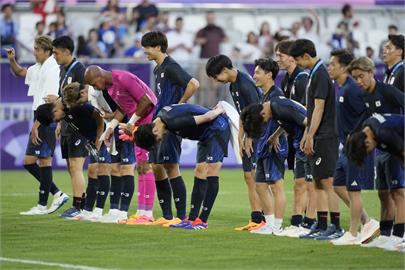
x,y
15,67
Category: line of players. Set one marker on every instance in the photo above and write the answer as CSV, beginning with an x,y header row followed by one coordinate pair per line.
x,y
313,139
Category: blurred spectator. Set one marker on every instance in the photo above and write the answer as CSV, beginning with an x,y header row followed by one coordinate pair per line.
x,y
163,22
142,12
392,30
266,43
112,9
308,31
370,53
44,7
210,37
347,17
39,28
96,48
149,25
250,50
61,27
136,50
295,28
340,38
82,49
180,43
52,30
9,29
107,34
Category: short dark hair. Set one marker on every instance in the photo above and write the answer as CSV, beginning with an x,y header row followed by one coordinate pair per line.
x,y
398,42
252,121
356,147
346,8
344,56
301,47
154,39
64,42
393,26
144,137
284,46
179,19
268,65
44,114
216,64
3,7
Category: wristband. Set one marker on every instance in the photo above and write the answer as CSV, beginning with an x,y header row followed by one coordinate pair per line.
x,y
133,119
113,124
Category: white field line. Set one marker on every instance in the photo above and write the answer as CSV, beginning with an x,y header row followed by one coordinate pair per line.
x,y
61,265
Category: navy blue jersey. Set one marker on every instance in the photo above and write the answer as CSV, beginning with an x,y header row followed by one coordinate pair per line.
x,y
72,73
270,127
179,119
384,99
350,108
395,76
171,82
388,132
290,115
81,116
294,86
244,91
320,87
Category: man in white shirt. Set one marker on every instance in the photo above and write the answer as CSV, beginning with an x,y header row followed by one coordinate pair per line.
x,y
43,80
180,44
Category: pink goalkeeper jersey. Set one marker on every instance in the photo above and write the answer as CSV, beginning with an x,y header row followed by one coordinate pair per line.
x,y
127,89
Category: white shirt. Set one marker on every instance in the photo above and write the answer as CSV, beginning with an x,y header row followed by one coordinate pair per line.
x,y
174,39
42,80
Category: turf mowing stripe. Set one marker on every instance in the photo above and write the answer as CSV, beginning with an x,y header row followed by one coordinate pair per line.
x,y
62,265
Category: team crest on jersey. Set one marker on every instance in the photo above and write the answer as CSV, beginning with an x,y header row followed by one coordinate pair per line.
x,y
69,80
341,99
162,75
378,103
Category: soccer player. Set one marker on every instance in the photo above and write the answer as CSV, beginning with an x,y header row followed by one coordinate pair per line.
x,y
393,56
244,92
270,161
173,86
135,99
291,116
383,98
294,86
74,95
211,129
320,142
349,180
73,149
42,79
386,133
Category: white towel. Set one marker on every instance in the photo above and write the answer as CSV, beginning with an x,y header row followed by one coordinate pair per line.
x,y
42,80
233,117
97,100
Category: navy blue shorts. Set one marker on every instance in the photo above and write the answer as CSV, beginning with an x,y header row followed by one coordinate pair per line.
x,y
249,163
46,148
389,171
351,176
73,146
168,150
301,167
126,153
214,149
270,169
103,156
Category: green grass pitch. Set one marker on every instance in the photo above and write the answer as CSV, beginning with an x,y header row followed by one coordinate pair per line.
x,y
52,239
